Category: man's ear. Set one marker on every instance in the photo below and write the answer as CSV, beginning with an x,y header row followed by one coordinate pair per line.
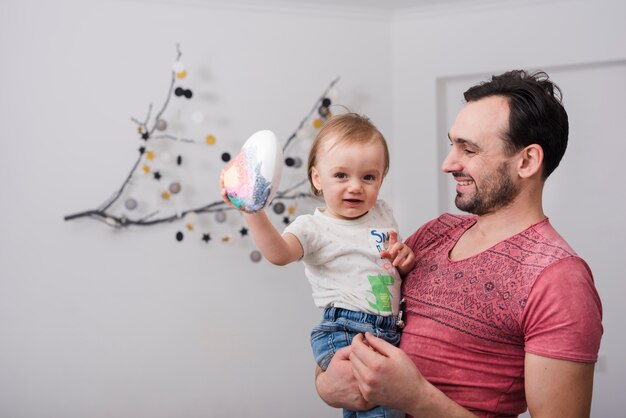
x,y
530,161
315,178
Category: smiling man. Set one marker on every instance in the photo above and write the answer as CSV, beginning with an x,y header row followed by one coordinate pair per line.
x,y
502,314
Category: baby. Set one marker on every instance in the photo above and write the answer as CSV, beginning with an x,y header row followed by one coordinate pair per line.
x,y
350,248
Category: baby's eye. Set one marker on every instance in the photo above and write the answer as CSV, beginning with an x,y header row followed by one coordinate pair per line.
x,y
369,177
341,175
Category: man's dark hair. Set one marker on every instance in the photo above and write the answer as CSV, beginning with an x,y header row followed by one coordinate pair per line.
x,y
537,115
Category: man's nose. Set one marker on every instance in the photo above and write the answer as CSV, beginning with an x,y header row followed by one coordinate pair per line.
x,y
451,163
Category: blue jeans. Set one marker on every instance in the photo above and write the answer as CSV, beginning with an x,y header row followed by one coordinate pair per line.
x,y
337,329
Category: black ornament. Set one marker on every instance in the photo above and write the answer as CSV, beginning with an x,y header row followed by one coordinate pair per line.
x,y
289,162
286,220
243,231
179,236
226,157
179,160
206,237
179,91
145,136
326,102
188,94
157,175
142,150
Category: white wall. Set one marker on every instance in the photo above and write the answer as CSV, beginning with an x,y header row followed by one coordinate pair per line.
x,y
96,322
103,323
582,45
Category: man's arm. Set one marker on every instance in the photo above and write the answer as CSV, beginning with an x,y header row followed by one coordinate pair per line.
x,y
377,373
337,386
558,388
387,376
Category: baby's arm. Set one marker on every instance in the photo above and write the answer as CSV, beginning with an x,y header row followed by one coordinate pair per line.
x,y
277,249
400,255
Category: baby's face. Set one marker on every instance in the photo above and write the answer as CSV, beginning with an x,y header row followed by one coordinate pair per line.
x,y
349,176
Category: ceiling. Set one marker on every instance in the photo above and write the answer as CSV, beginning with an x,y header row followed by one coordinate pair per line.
x,y
364,5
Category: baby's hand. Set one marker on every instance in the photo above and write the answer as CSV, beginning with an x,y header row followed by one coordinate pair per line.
x,y
400,255
223,192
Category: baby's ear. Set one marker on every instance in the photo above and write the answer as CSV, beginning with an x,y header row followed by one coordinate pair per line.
x,y
315,179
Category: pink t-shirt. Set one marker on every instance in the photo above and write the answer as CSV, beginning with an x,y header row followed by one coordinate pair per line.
x,y
470,322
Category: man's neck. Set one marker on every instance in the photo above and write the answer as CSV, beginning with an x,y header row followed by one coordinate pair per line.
x,y
495,227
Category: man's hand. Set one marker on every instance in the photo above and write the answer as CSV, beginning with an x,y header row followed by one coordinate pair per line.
x,y
385,374
400,255
337,387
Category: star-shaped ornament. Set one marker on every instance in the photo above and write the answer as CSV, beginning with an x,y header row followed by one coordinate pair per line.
x,y
157,175
243,231
206,237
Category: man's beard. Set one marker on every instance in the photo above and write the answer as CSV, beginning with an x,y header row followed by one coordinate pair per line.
x,y
496,192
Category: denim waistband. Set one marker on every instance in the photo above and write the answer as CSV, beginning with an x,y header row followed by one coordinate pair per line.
x,y
379,321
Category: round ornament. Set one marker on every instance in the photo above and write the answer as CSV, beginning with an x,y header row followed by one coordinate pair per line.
x,y
220,217
161,125
174,188
279,208
130,203
255,256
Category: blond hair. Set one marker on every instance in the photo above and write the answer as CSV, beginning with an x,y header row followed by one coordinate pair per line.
x,y
348,128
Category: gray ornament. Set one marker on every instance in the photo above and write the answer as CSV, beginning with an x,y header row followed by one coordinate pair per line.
x,y
174,187
161,125
220,217
279,207
131,204
255,256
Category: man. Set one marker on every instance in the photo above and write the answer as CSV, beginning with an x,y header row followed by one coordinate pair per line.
x,y
501,313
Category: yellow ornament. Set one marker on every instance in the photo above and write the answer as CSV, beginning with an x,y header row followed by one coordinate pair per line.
x,y
181,74
146,168
166,195
210,139
291,210
317,123
150,155
189,227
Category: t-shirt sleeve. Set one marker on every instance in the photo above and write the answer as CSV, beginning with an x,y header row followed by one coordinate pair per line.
x,y
562,318
300,228
418,238
388,213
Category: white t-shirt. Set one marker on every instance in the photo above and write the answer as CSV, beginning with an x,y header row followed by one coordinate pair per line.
x,y
342,261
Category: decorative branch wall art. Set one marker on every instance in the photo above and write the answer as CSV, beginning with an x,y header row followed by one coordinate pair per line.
x,y
160,185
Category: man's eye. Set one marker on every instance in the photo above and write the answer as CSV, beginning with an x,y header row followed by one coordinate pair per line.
x,y
468,151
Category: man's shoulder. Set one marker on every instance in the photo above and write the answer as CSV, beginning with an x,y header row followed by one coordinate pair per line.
x,y
544,239
441,227
448,221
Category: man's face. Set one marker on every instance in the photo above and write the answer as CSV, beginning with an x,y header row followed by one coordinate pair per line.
x,y
477,159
